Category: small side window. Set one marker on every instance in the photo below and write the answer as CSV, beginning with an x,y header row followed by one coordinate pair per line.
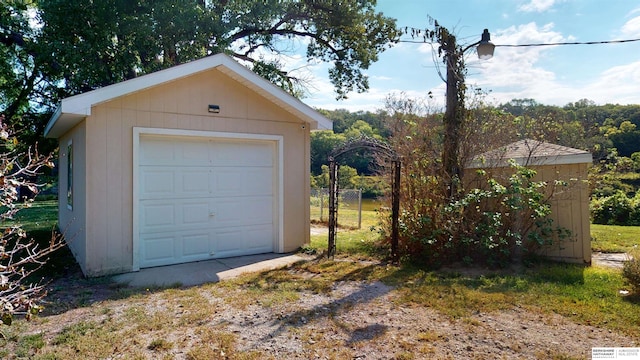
x,y
70,175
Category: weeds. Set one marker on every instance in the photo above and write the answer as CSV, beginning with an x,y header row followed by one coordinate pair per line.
x,y
160,345
631,271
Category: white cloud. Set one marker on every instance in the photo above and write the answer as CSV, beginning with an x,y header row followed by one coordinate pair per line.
x,y
517,67
537,5
382,78
619,84
631,27
324,98
427,48
518,73
322,95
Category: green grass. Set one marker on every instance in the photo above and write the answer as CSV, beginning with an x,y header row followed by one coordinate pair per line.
x,y
586,295
348,216
358,242
39,220
39,216
614,238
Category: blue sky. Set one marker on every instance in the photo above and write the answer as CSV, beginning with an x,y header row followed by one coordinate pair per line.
x,y
557,75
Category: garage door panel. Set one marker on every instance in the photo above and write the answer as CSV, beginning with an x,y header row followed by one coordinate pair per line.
x,y
155,215
228,181
229,240
156,151
196,245
264,183
194,152
195,182
240,154
256,241
157,249
164,249
196,213
174,215
175,183
236,211
229,212
156,183
174,152
260,210
243,240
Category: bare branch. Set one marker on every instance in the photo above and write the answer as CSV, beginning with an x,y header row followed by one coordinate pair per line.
x,y
20,257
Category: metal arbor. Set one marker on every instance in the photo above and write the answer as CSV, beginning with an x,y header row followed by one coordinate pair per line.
x,y
389,154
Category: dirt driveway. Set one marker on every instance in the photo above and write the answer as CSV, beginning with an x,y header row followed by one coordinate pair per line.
x,y
354,319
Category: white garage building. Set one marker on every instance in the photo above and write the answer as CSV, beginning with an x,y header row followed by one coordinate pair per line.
x,y
203,160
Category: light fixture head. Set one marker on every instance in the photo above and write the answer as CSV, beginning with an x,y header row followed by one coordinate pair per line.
x,y
214,109
485,47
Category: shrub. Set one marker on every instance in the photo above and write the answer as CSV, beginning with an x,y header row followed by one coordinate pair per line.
x,y
631,271
490,224
503,218
444,220
612,210
616,209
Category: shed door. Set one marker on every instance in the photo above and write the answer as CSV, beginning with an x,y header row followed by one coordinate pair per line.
x,y
203,198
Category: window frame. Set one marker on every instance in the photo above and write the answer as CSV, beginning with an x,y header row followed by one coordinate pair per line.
x,y
70,175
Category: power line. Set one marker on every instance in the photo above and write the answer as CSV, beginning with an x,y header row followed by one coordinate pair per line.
x,y
540,44
573,43
425,34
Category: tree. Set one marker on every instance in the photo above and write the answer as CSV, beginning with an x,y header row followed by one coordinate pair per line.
x,y
17,75
113,40
322,143
19,256
347,177
22,64
625,138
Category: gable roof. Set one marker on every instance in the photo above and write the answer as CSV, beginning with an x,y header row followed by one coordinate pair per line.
x,y
529,152
74,109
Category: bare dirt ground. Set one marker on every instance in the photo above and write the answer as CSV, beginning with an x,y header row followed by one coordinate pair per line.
x,y
355,320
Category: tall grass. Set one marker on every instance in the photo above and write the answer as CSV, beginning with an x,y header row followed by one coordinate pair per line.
x,y
614,238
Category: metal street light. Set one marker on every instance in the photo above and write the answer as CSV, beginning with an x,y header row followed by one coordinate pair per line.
x,y
485,46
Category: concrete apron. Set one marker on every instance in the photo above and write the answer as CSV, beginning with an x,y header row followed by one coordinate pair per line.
x,y
201,272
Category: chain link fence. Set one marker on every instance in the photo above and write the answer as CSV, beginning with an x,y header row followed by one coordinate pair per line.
x,y
349,207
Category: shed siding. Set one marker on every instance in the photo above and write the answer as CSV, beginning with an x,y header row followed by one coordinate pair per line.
x,y
570,209
181,104
72,221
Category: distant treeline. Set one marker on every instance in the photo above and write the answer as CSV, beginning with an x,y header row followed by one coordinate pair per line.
x,y
607,131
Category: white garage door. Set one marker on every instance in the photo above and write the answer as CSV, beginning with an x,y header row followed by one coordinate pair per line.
x,y
203,198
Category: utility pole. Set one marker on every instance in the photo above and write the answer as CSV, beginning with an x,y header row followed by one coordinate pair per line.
x,y
455,112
